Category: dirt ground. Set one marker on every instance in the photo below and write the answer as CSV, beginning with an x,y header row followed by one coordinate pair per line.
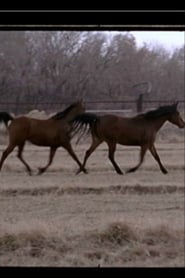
x,y
95,219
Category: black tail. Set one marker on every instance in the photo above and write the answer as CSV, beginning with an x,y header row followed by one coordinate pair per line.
x,y
83,123
5,118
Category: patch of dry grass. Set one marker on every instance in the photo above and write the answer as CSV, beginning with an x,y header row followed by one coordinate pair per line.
x,y
29,246
60,219
115,234
118,244
118,189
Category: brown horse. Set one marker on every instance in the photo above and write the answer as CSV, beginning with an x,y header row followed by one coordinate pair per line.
x,y
140,131
54,132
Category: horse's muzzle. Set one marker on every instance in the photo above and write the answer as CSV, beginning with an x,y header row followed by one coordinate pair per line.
x,y
182,124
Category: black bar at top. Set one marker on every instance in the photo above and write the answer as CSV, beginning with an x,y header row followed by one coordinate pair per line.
x,y
97,19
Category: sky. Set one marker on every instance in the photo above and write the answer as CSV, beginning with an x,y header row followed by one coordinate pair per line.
x,y
168,39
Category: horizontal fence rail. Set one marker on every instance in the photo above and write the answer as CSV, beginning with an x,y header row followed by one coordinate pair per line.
x,y
117,106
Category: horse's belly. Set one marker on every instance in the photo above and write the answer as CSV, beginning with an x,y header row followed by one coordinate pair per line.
x,y
39,142
44,141
129,141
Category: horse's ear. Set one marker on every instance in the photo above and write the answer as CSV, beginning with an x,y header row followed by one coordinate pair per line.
x,y
175,104
81,101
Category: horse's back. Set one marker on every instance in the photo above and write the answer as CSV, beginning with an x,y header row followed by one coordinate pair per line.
x,y
18,130
47,132
19,123
108,126
123,130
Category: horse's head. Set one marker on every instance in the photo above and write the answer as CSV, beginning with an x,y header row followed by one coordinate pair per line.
x,y
70,112
79,107
74,110
175,117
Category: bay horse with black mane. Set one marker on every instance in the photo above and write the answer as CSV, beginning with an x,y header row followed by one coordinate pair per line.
x,y
54,132
139,130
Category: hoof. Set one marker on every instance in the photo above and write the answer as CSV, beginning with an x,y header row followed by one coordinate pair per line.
x,y
30,173
85,171
131,170
40,171
120,173
81,170
165,171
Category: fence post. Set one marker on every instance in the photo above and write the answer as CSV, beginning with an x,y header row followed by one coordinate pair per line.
x,y
139,103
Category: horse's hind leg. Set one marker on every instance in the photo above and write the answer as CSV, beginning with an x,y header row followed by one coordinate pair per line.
x,y
142,154
19,155
8,150
157,158
112,149
68,147
95,143
51,156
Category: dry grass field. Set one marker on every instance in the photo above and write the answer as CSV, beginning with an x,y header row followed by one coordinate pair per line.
x,y
95,219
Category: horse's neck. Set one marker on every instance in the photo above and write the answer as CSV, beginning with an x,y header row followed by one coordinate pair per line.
x,y
159,122
69,117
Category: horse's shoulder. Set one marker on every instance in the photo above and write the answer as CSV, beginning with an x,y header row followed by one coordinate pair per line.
x,y
19,119
111,117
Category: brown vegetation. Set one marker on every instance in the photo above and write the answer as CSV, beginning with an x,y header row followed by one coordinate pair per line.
x,y
99,219
118,244
55,67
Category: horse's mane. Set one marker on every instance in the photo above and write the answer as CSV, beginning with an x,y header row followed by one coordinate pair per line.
x,y
159,112
62,114
86,118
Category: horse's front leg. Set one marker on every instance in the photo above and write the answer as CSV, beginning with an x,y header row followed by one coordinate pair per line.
x,y
142,155
157,158
51,156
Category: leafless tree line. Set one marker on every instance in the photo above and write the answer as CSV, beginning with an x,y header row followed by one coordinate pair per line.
x,y
57,67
